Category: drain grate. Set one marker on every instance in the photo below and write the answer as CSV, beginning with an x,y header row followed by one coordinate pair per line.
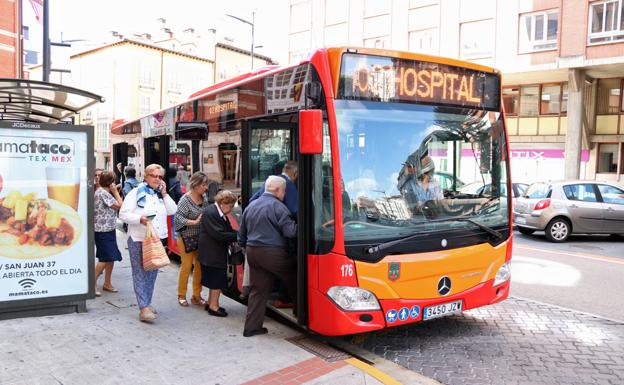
x,y
319,348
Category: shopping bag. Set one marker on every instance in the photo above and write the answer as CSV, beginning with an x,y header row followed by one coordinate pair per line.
x,y
154,253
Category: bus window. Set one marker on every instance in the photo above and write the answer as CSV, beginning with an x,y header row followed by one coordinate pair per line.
x,y
270,149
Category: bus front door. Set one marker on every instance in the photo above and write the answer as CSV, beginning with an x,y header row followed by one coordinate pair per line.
x,y
266,147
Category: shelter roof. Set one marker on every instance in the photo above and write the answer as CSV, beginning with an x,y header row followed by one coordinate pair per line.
x,y
37,101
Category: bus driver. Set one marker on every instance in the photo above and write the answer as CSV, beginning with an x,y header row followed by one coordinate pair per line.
x,y
421,186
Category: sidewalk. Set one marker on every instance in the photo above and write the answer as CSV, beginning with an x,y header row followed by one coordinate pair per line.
x,y
108,345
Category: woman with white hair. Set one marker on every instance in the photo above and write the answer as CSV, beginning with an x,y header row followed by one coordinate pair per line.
x,y
148,202
215,236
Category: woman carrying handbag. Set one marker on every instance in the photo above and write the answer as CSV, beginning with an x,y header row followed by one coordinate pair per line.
x,y
149,202
186,221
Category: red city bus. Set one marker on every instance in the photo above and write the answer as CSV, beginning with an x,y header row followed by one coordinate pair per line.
x,y
385,141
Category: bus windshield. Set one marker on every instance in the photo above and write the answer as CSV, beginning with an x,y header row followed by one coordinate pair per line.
x,y
409,168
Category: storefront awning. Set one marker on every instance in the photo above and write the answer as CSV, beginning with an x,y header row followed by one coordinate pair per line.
x,y
36,101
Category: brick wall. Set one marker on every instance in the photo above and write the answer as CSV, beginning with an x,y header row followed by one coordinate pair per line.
x,y
8,31
573,27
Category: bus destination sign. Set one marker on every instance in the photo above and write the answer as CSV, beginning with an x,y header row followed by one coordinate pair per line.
x,y
387,79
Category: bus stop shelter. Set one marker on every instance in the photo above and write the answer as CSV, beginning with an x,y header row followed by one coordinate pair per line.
x,y
46,168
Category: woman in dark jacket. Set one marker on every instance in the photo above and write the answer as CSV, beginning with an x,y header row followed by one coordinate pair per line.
x,y
215,236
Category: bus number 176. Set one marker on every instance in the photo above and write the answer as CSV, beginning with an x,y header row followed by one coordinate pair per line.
x,y
347,270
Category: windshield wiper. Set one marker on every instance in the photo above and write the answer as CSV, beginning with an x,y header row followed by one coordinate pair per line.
x,y
487,229
385,245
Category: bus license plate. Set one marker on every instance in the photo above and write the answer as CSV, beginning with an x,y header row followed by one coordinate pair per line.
x,y
442,310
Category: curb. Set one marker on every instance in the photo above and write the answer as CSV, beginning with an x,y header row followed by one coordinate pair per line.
x,y
389,372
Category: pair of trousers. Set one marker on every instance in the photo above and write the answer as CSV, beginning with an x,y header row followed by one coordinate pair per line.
x,y
188,261
143,281
266,264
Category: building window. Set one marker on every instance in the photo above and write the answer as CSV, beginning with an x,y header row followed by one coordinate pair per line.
x,y
336,11
146,78
174,86
300,17
376,7
26,32
608,96
607,158
477,39
31,57
425,41
550,99
337,35
543,99
511,99
145,105
538,31
102,135
606,22
529,97
469,10
377,42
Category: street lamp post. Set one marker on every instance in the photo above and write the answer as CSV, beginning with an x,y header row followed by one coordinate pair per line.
x,y
253,16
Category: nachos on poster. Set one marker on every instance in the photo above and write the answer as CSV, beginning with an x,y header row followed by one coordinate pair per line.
x,y
32,227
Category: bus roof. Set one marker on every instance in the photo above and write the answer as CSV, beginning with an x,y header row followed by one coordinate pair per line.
x,y
224,85
334,55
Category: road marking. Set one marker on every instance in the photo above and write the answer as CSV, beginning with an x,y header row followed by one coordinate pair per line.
x,y
568,309
378,374
585,256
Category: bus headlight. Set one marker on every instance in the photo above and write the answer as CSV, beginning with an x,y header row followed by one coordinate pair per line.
x,y
353,298
503,274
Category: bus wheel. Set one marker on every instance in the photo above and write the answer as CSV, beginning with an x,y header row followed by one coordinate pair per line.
x,y
525,230
558,230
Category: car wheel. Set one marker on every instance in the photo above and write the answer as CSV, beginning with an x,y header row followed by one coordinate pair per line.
x,y
558,230
525,231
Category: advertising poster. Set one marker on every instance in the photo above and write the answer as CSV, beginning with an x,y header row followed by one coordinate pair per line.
x,y
44,227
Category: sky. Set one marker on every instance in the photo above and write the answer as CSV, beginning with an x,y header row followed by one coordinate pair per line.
x,y
94,20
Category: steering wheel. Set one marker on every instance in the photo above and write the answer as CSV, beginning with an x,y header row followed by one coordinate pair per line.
x,y
431,209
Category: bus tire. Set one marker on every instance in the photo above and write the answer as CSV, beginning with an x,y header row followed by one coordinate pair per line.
x,y
558,230
232,280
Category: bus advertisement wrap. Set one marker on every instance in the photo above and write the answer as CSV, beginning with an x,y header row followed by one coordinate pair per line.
x,y
44,224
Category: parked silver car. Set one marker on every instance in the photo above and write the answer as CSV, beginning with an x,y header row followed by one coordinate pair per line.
x,y
567,207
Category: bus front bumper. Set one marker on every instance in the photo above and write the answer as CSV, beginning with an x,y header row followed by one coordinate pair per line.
x,y
333,321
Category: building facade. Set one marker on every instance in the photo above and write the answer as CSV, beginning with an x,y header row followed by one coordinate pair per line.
x,y
10,39
136,78
231,61
562,63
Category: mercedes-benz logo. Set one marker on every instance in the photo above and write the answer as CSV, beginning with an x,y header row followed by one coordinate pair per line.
x,y
444,285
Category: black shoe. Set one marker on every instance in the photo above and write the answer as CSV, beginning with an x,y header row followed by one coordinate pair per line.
x,y
256,332
219,313
222,310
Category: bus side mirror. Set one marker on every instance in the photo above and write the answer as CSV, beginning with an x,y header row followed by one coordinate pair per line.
x,y
311,131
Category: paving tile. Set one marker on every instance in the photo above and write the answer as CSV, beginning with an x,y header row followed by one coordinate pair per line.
x,y
513,342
